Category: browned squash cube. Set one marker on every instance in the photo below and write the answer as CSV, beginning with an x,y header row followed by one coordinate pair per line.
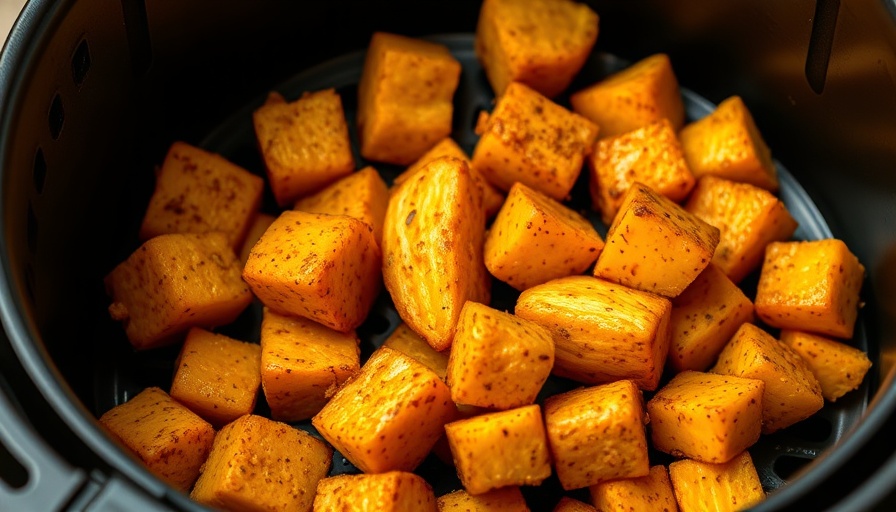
x,y
174,282
654,245
597,434
705,416
505,499
499,449
302,364
535,239
216,376
498,360
318,266
640,94
532,140
567,504
810,286
650,155
389,416
791,392
201,192
724,487
838,367
651,492
260,464
305,143
602,331
405,97
492,198
541,43
704,317
261,224
405,340
395,491
748,218
728,144
362,195
168,438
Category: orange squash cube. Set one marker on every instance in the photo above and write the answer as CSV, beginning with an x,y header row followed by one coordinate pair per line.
x,y
499,449
597,434
704,317
650,155
303,363
791,392
505,499
748,218
318,266
260,464
636,96
535,239
405,97
169,439
405,340
727,144
304,143
654,245
389,416
810,286
706,417
261,224
724,487
651,492
174,282
567,504
201,192
216,376
498,361
532,140
541,43
838,367
395,491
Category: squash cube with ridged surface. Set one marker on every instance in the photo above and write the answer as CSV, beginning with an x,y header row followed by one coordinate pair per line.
x,y
261,224
530,139
394,491
318,266
724,487
654,245
304,143
838,367
409,343
651,492
257,464
505,499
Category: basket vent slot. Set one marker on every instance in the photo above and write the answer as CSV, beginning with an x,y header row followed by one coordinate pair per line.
x,y
81,62
56,116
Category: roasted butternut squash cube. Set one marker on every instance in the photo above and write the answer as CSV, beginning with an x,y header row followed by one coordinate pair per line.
x,y
791,392
201,192
724,487
498,360
810,286
654,245
499,449
727,144
169,439
260,464
505,499
530,139
704,317
838,367
602,331
216,376
706,417
597,434
405,97
389,416
362,195
650,155
748,218
638,95
395,491
535,239
651,492
405,340
261,224
304,143
541,43
492,198
302,364
432,249
174,282
318,266
567,504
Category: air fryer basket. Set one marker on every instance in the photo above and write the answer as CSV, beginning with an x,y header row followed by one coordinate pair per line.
x,y
94,91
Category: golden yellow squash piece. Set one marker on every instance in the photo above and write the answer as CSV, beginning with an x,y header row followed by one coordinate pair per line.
x,y
838,367
705,487
651,492
395,491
